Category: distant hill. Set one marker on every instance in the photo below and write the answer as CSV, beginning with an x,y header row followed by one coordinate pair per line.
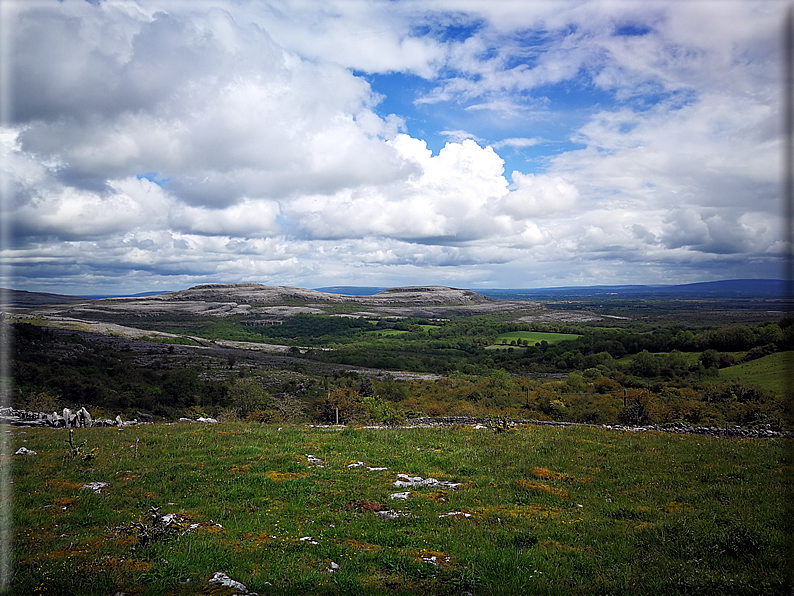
x,y
138,295
758,289
353,290
731,288
25,299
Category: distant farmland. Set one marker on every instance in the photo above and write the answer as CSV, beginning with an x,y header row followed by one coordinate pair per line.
x,y
533,337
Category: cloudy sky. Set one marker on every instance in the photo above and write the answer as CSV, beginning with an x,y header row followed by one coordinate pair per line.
x,y
157,144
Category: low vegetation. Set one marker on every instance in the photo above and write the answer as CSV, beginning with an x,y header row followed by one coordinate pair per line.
x,y
566,381
539,510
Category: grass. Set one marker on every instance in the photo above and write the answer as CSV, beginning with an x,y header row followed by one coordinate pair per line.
x,y
552,511
769,372
534,337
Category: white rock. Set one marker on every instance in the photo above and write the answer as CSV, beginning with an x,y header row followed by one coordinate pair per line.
x,y
333,567
375,469
408,478
209,420
402,496
25,451
309,539
225,581
418,482
434,560
94,486
355,464
390,514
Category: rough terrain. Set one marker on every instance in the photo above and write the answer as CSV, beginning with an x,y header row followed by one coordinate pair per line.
x,y
271,304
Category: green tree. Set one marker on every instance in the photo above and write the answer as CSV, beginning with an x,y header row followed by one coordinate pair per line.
x,y
246,396
710,359
646,365
499,379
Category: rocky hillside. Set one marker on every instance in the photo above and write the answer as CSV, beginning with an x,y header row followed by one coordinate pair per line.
x,y
257,302
254,293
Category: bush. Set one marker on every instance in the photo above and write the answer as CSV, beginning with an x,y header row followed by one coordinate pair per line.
x,y
646,365
636,414
349,404
247,396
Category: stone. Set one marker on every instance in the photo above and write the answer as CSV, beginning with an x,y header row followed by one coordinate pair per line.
x,y
25,451
401,496
406,481
390,514
333,567
224,581
436,560
94,486
309,539
67,415
207,420
84,418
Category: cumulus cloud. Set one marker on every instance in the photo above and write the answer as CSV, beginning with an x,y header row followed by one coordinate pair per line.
x,y
217,109
539,195
447,200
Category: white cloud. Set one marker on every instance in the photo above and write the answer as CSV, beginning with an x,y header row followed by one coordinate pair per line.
x,y
247,219
516,142
448,198
539,195
459,135
71,212
228,114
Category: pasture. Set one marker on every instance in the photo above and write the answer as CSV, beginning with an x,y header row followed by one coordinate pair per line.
x,y
538,510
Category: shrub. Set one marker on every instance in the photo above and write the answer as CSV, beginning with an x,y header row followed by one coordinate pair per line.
x,y
636,414
246,396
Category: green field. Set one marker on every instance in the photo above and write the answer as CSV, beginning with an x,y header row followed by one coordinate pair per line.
x,y
540,510
533,337
769,372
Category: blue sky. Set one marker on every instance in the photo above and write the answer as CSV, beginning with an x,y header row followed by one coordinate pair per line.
x,y
157,144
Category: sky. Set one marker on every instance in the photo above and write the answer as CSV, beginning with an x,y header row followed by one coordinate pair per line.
x,y
153,145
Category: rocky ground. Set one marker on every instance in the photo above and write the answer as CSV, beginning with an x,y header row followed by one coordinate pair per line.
x,y
278,302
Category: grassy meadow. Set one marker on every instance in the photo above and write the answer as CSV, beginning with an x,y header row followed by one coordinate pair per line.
x,y
770,372
540,510
533,337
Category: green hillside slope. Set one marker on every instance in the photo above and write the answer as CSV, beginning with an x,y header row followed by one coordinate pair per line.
x,y
769,372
